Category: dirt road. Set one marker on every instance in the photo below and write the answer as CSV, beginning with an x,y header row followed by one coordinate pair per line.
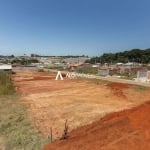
x,y
112,79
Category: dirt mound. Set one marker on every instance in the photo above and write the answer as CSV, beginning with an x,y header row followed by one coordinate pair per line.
x,y
118,85
125,130
117,88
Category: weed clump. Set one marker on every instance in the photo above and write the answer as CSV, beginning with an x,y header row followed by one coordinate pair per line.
x,y
6,85
65,134
16,129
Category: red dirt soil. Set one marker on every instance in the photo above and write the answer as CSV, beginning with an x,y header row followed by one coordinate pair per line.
x,y
116,85
125,130
117,88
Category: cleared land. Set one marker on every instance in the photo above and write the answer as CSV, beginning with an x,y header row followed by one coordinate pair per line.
x,y
81,102
125,130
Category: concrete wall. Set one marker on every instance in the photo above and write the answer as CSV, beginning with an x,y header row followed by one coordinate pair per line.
x,y
103,72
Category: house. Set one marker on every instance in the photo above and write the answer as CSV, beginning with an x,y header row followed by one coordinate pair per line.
x,y
74,66
103,71
5,68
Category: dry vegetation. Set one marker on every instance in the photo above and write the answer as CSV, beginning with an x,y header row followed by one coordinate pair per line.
x,y
16,129
124,130
80,102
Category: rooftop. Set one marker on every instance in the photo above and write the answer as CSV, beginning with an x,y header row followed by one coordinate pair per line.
x,y
4,66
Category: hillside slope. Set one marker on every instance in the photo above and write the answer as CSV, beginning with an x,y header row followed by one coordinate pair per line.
x,y
125,130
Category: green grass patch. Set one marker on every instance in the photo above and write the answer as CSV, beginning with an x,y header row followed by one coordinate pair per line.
x,y
140,88
128,77
55,67
17,131
88,70
6,86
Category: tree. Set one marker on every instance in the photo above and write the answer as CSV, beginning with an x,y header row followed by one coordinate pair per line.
x,y
134,55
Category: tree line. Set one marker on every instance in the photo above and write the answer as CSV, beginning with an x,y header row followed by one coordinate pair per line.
x,y
61,56
24,61
134,55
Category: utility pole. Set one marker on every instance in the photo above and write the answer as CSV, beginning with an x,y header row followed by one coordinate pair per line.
x,y
95,60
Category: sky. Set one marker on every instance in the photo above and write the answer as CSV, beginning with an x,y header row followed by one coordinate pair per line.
x,y
73,27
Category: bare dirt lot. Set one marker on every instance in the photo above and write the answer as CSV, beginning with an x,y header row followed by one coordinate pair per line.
x,y
81,102
125,130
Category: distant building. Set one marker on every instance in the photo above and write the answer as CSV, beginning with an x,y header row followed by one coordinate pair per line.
x,y
5,68
103,72
73,67
72,60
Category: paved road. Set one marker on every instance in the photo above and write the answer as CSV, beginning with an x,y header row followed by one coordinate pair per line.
x,y
113,79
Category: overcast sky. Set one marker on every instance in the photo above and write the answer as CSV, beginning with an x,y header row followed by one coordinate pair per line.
x,y
73,27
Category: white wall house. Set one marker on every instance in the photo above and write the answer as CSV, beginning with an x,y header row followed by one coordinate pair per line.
x,y
143,76
5,68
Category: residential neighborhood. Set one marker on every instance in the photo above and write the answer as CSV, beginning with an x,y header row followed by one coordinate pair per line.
x,y
131,70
